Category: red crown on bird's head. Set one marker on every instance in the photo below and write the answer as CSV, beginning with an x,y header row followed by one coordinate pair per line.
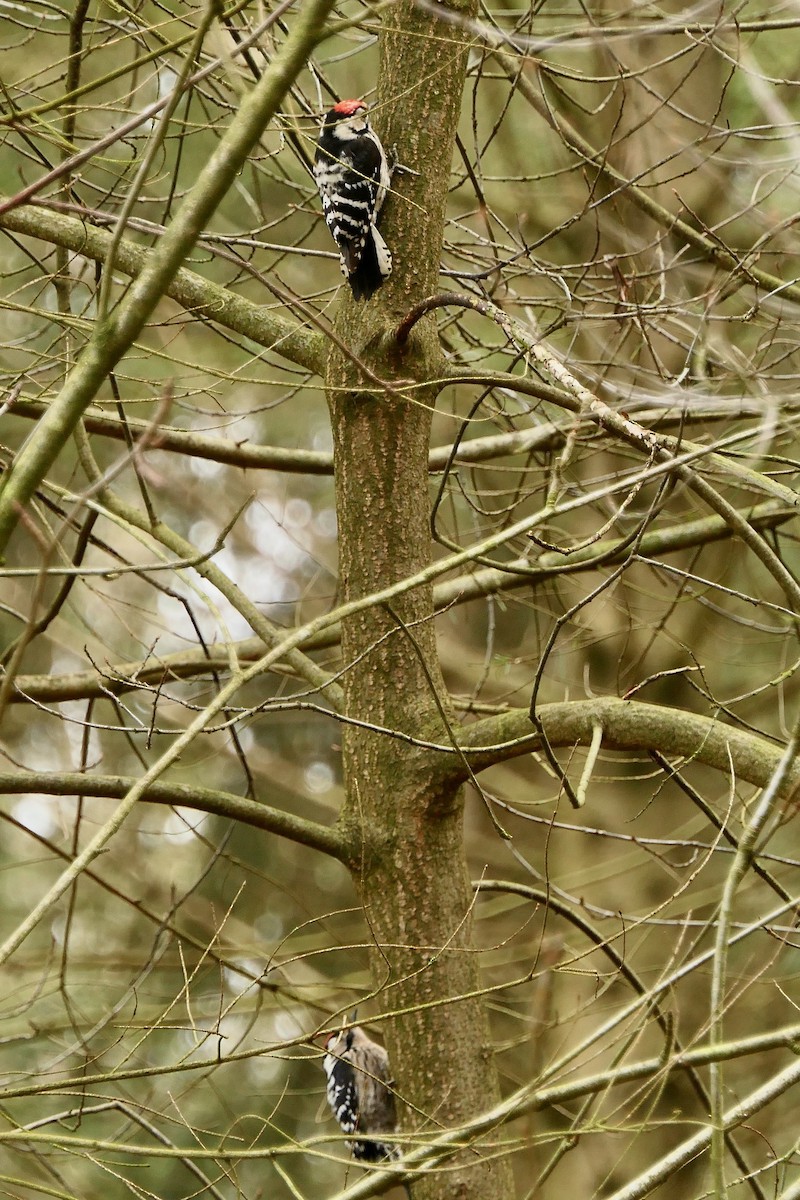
x,y
346,108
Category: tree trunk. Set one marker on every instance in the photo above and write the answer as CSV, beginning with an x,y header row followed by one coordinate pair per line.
x,y
404,810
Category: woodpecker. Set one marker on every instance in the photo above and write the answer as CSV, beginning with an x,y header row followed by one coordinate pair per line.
x,y
359,1092
352,174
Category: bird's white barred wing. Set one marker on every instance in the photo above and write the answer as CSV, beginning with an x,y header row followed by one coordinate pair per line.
x,y
341,1092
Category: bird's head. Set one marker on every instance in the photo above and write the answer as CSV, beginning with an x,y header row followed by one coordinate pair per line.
x,y
347,119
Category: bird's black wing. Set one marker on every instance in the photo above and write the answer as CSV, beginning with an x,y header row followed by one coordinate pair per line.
x,y
341,1092
348,200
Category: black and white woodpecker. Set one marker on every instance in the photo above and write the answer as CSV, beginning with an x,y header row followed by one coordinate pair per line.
x,y
352,174
360,1093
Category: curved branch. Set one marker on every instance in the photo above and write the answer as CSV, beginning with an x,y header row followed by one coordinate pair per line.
x,y
119,678
520,572
710,246
427,305
264,326
581,401
627,725
127,676
549,902
622,425
208,800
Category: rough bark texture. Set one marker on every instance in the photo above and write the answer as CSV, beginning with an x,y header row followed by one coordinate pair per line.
x,y
404,814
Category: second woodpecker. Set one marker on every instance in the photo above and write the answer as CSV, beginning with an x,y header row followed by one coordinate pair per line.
x,y
360,1093
352,174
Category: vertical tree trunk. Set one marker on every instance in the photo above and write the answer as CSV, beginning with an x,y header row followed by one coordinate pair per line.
x,y
403,812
